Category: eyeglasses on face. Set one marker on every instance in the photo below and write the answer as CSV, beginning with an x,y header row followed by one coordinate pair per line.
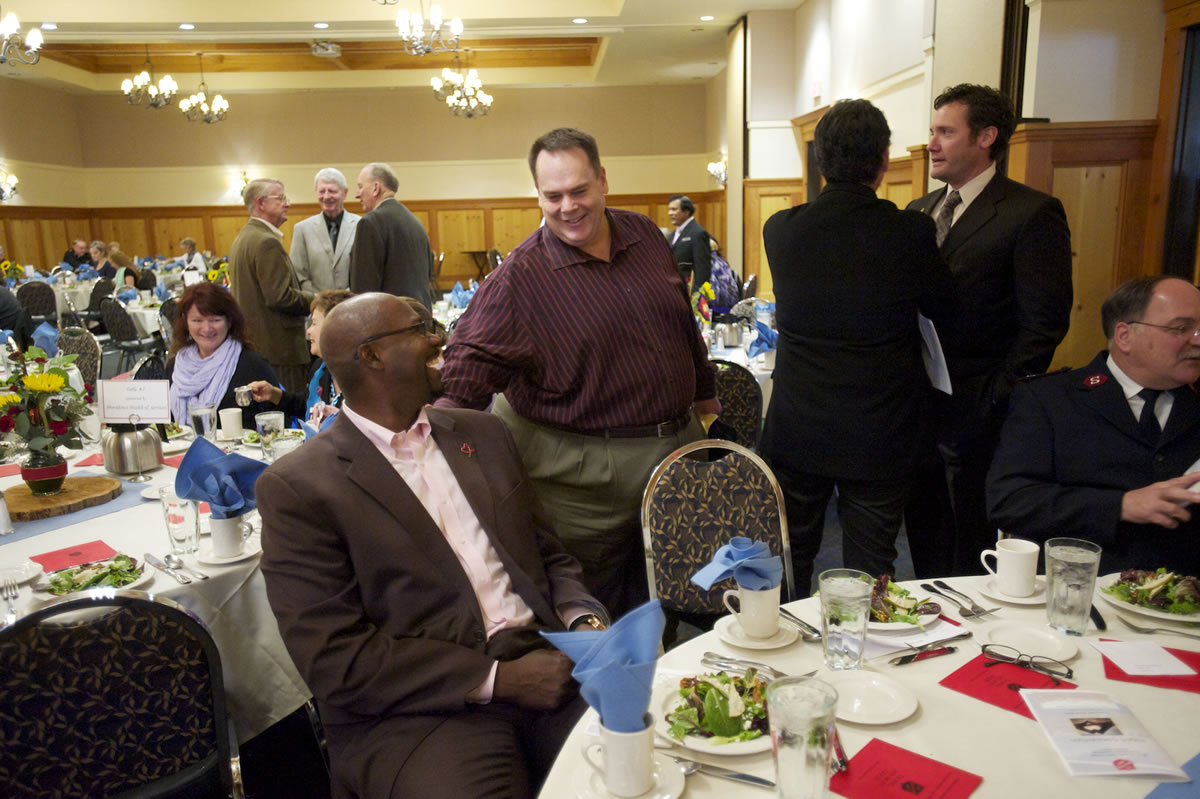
x,y
281,197
999,653
424,327
1179,331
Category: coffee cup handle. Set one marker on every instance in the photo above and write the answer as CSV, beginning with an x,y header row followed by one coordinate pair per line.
x,y
732,594
587,754
983,559
246,529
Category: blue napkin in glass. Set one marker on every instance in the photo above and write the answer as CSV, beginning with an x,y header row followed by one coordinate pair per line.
x,y
66,266
767,339
127,294
615,667
225,482
460,296
87,273
11,282
149,263
749,562
46,337
160,291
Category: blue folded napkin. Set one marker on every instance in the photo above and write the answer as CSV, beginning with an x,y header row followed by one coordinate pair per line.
x,y
460,296
5,335
615,667
767,339
66,266
225,482
46,337
125,295
44,278
87,273
160,291
749,562
11,282
149,263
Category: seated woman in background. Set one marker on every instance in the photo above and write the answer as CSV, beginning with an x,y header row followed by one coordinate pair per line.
x,y
127,275
210,354
100,260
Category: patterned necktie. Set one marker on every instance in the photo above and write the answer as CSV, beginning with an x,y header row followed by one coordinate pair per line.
x,y
333,225
1148,422
946,216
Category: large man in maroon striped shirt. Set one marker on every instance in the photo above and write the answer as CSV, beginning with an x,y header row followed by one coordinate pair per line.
x,y
587,331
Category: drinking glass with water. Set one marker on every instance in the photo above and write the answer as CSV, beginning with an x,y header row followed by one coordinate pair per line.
x,y
203,417
845,611
1071,568
800,711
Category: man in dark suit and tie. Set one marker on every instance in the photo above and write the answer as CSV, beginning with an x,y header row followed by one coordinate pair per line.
x,y
851,273
410,566
1099,453
689,242
1009,250
391,248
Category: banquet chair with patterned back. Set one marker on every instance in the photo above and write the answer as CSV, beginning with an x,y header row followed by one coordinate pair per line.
x,y
150,367
114,692
147,280
692,507
494,259
78,341
166,315
104,287
71,317
741,402
750,287
38,299
125,338
435,273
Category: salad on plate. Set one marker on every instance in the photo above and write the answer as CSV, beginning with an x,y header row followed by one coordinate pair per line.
x,y
1160,590
720,707
892,604
118,571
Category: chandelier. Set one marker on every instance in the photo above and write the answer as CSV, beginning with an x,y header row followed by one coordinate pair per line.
x,y
441,37
8,186
142,88
719,171
464,94
10,41
197,109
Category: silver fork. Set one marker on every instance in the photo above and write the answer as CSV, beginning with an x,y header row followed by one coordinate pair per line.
x,y
963,610
738,664
976,608
10,593
1138,629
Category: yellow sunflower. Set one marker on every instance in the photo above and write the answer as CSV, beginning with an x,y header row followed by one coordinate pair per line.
x,y
9,398
50,383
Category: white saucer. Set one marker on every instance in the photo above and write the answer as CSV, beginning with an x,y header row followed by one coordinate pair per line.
x,y
730,631
987,587
1028,639
668,781
22,572
865,697
251,548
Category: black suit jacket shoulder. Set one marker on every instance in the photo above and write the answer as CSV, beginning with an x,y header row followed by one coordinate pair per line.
x,y
391,253
692,254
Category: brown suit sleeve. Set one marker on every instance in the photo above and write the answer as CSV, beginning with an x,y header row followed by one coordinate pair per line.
x,y
277,279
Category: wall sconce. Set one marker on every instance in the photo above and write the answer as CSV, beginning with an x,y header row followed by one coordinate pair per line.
x,y
8,186
719,170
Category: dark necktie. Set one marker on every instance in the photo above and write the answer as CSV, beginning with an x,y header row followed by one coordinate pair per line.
x,y
1148,422
946,215
333,225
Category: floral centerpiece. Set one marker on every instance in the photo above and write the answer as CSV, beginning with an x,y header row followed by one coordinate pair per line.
x,y
39,408
219,274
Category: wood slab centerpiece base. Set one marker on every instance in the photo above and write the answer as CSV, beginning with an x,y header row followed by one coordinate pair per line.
x,y
77,493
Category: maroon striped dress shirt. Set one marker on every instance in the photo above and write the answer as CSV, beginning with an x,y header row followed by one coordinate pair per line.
x,y
578,343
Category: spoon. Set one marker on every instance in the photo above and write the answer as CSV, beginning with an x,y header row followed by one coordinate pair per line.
x,y
175,562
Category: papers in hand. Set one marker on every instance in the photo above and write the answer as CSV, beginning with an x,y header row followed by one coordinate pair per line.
x,y
1095,735
932,355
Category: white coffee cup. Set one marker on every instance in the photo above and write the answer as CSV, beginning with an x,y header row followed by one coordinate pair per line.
x,y
628,763
1016,565
758,611
229,536
231,423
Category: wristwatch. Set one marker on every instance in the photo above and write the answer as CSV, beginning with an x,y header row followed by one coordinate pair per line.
x,y
591,619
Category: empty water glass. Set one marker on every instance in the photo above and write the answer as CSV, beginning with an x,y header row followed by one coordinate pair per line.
x,y
183,522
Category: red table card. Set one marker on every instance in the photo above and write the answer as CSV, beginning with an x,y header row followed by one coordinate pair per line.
x,y
10,469
92,460
174,460
1182,682
1000,684
883,771
90,552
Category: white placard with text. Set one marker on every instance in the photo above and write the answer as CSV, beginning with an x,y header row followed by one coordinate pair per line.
x,y
148,400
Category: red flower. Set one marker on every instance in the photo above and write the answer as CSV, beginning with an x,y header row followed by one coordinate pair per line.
x,y
39,360
6,424
14,410
88,388
59,428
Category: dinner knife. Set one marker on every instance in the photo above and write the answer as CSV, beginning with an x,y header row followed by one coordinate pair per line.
x,y
736,776
1098,619
154,561
925,655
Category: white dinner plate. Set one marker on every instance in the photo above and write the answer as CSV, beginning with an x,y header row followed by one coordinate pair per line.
x,y
987,587
1161,615
1028,640
668,781
251,548
21,572
176,446
902,626
184,432
730,631
665,699
43,583
865,697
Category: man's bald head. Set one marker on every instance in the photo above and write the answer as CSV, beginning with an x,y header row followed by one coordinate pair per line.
x,y
351,322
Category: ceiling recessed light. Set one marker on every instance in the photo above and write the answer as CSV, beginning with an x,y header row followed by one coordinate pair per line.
x,y
579,21
186,26
49,26
321,25
706,18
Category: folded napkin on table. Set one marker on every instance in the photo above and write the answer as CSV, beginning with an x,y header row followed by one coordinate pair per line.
x,y
149,263
11,282
5,335
87,273
749,562
46,337
160,291
766,340
127,294
39,277
460,296
226,482
615,667
66,266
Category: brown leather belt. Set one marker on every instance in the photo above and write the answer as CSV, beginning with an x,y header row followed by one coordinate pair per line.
x,y
660,430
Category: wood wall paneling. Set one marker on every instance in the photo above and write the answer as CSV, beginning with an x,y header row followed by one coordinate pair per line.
x,y
760,199
459,233
131,234
168,231
511,226
25,242
225,230
54,233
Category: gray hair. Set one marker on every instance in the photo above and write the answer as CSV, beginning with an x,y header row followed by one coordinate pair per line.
x,y
98,245
188,242
331,175
384,174
259,187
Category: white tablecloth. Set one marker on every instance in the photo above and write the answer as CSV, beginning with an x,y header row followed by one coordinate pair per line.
x,y
146,320
1009,751
80,294
261,684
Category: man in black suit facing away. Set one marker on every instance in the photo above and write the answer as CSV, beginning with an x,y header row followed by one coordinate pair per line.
x,y
851,272
689,242
1009,250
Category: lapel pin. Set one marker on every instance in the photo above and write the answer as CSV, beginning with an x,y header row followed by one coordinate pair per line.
x,y
1095,380
467,450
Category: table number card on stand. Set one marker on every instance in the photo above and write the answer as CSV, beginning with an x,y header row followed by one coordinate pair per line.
x,y
120,400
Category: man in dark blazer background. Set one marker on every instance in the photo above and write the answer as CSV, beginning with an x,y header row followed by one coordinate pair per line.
x,y
410,565
689,242
391,248
1099,453
851,273
1009,250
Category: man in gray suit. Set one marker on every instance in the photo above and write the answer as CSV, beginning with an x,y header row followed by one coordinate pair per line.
x,y
321,244
391,248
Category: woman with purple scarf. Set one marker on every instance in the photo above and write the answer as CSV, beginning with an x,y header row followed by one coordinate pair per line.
x,y
210,355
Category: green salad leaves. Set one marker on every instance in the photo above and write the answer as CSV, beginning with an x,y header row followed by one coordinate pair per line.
x,y
116,572
723,708
1158,590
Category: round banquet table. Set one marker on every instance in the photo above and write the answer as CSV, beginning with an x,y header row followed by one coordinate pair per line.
x,y
1010,751
262,685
